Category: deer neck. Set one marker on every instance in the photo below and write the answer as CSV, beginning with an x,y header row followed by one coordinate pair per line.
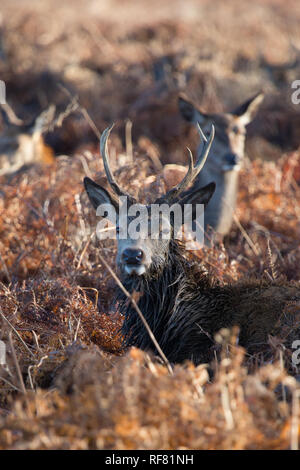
x,y
219,211
158,296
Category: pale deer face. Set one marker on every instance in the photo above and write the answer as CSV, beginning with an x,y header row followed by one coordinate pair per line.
x,y
143,242
229,144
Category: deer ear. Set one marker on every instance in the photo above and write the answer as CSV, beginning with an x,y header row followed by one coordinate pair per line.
x,y
194,197
199,195
189,112
98,195
247,110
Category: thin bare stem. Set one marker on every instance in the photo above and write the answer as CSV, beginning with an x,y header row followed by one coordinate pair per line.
x,y
15,331
84,250
16,362
245,235
128,138
10,384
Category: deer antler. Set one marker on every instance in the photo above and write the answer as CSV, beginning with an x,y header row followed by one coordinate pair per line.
x,y
193,170
173,194
105,156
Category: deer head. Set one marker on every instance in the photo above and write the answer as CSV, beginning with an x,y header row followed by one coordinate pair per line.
x,y
147,251
224,165
229,144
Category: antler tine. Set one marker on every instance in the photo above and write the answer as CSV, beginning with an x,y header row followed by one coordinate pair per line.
x,y
105,156
193,171
205,148
188,176
203,139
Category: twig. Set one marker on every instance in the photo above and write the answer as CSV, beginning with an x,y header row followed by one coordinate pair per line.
x,y
271,263
246,236
128,139
85,165
84,250
33,366
226,408
77,329
80,216
90,121
15,331
74,100
11,115
17,365
10,384
93,289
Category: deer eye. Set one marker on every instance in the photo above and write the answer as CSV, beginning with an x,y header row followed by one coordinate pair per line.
x,y
235,130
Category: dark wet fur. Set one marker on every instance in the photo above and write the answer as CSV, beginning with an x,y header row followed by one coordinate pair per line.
x,y
185,308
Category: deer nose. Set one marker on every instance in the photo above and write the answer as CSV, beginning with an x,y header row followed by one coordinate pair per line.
x,y
232,159
132,256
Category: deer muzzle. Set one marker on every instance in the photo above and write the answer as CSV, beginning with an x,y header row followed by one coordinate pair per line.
x,y
132,261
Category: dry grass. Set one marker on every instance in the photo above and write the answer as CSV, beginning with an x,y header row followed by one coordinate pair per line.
x,y
69,383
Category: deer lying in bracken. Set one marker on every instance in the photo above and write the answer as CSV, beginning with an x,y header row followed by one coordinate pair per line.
x,y
22,145
227,158
182,305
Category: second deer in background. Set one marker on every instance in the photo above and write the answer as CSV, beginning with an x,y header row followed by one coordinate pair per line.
x,y
226,157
